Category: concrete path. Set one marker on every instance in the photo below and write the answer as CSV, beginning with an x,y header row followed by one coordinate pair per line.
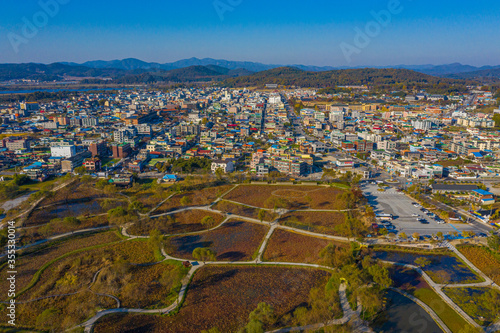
x,y
71,233
162,202
264,243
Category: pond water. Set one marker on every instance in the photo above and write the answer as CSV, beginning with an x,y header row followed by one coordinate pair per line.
x,y
404,316
76,209
456,271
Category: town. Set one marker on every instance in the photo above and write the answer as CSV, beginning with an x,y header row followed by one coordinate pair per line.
x,y
413,178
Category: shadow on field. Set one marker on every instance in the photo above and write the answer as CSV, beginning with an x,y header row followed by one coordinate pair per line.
x,y
185,245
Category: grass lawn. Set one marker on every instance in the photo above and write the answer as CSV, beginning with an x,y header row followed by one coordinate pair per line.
x,y
107,161
449,316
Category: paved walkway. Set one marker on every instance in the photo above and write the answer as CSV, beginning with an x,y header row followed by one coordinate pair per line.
x,y
264,243
71,233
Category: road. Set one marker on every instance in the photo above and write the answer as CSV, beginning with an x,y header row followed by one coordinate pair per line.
x,y
474,221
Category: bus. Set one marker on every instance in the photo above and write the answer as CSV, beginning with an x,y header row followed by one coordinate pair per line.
x,y
387,217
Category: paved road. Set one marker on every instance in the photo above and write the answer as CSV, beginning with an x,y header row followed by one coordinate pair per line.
x,y
479,226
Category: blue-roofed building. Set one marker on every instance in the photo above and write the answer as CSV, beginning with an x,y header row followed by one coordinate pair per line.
x,y
170,178
36,171
482,196
477,155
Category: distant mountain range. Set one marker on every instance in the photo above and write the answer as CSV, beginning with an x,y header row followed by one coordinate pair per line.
x,y
237,73
61,72
449,70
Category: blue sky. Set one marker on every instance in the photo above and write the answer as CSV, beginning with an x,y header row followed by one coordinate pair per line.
x,y
277,32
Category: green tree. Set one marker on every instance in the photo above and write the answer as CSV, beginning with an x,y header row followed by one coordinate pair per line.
x,y
380,275
155,238
496,119
118,215
219,173
80,170
372,299
262,317
494,242
336,256
262,215
204,254
71,220
185,201
263,313
422,262
254,326
208,221
136,206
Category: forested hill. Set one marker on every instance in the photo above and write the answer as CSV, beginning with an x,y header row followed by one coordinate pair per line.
x,y
373,77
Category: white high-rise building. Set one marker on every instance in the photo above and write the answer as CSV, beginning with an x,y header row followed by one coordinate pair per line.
x,y
421,124
275,99
63,150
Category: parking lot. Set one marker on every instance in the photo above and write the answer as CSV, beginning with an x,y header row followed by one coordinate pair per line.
x,y
400,206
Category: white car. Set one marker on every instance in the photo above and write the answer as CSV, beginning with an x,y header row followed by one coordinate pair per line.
x,y
440,222
415,215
